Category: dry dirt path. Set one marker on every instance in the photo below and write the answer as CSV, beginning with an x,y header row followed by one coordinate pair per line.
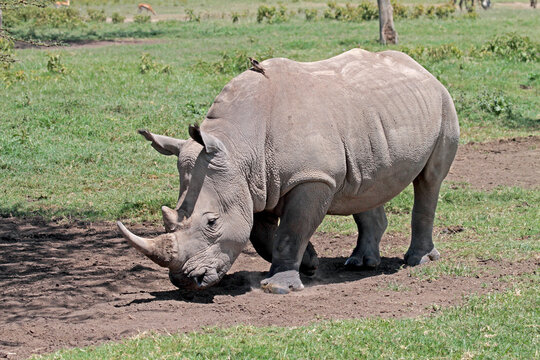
x,y
79,284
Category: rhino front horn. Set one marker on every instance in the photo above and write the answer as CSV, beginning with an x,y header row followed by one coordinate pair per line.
x,y
139,243
160,250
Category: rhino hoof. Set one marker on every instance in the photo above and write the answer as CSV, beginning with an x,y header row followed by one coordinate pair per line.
x,y
282,283
355,262
419,259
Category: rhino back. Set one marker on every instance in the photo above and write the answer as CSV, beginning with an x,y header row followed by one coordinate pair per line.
x,y
364,123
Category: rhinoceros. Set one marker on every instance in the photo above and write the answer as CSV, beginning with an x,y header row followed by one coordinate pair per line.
x,y
285,145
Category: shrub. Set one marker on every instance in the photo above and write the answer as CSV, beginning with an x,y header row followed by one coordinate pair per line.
x,y
117,18
54,64
140,19
96,15
148,64
430,11
6,53
364,11
311,14
271,14
235,16
41,17
417,11
400,11
368,11
444,11
191,16
496,103
512,46
434,53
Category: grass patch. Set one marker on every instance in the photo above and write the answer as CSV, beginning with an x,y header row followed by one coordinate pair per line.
x,y
68,123
481,327
437,269
500,224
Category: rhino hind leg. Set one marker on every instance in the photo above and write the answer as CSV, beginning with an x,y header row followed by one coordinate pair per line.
x,y
303,210
371,226
262,238
426,193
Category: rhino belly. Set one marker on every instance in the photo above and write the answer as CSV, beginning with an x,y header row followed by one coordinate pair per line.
x,y
373,192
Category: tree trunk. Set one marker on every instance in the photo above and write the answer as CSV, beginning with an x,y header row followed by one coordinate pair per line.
x,y
0,19
388,34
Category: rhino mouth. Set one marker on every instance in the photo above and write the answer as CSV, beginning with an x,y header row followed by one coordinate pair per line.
x,y
197,279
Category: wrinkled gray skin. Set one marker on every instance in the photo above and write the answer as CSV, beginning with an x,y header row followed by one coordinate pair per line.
x,y
279,151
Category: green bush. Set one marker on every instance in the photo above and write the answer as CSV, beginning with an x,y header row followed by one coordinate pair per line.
x,y
363,12
444,11
417,11
311,14
191,16
368,11
140,19
434,53
496,103
430,11
55,65
271,14
6,53
400,10
96,15
42,17
512,46
117,18
148,64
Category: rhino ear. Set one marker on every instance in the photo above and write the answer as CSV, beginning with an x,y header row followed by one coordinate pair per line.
x,y
211,144
163,144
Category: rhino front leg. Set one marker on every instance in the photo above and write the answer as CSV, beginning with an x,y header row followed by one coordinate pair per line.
x,y
371,226
262,236
303,210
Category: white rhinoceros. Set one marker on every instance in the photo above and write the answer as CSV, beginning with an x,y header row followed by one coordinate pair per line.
x,y
280,149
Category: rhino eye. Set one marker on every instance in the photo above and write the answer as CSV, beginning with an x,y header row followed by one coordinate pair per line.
x,y
212,221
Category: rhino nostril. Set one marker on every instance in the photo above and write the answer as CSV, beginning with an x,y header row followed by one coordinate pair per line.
x,y
199,279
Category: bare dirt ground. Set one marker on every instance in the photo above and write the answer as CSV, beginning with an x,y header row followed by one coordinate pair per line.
x,y
512,162
78,284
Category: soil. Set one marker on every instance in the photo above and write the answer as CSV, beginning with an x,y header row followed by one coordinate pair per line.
x,y
508,162
77,284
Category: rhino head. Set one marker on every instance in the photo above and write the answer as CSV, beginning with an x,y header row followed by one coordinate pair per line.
x,y
213,219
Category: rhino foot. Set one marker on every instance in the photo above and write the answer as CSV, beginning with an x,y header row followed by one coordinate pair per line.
x,y
370,261
418,258
282,282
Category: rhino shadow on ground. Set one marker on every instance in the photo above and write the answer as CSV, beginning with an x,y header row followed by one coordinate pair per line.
x,y
331,271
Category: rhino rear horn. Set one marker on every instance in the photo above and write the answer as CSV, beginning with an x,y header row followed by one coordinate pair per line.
x,y
163,144
158,249
170,218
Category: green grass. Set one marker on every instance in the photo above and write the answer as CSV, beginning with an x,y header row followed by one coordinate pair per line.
x,y
499,224
494,326
69,145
